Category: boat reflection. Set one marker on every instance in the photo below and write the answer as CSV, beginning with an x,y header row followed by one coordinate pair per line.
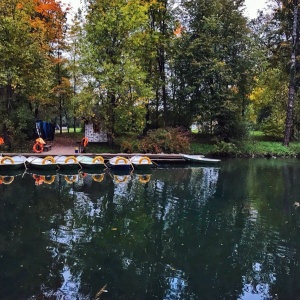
x,y
8,176
69,175
143,176
96,176
6,179
120,176
41,179
43,176
73,176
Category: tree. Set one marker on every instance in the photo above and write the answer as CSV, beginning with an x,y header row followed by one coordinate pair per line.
x,y
116,32
75,34
27,36
213,64
293,86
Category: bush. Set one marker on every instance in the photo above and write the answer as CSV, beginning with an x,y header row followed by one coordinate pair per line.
x,y
223,148
273,127
165,140
231,127
128,146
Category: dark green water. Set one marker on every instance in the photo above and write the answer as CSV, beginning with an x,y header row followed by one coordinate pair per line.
x,y
230,232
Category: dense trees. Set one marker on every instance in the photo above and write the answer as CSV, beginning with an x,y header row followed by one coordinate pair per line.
x,y
29,33
131,66
195,59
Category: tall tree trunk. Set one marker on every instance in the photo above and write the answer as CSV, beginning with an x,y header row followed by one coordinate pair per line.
x,y
74,86
111,119
292,85
162,71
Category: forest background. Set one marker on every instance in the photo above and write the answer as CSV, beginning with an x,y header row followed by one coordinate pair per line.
x,y
146,71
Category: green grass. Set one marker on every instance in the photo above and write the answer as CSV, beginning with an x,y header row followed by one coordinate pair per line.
x,y
257,145
266,148
201,148
71,130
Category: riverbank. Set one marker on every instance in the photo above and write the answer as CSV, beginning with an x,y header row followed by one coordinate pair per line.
x,y
255,146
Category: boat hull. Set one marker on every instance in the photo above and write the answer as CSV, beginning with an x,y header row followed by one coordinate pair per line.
x,y
91,163
199,159
120,167
44,167
68,166
67,162
11,167
142,166
12,163
92,166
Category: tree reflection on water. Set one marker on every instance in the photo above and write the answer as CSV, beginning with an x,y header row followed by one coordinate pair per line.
x,y
179,233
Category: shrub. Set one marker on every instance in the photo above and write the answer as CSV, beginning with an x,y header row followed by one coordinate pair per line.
x,y
165,140
223,148
231,127
273,127
128,146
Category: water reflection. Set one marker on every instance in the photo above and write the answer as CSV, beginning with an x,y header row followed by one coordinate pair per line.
x,y
174,233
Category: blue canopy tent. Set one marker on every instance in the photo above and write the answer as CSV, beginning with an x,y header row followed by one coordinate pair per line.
x,y
45,130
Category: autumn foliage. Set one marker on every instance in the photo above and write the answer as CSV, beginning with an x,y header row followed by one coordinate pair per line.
x,y
31,32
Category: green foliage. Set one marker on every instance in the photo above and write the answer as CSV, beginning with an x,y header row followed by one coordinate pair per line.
x,y
231,127
113,56
273,127
268,101
165,140
223,148
26,65
213,64
127,144
129,118
201,148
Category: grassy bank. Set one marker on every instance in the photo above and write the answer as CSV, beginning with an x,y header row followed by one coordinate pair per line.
x,y
256,146
247,149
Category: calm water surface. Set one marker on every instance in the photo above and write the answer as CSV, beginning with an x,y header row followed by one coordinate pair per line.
x,y
181,232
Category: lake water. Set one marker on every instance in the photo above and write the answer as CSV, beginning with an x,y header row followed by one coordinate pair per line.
x,y
181,232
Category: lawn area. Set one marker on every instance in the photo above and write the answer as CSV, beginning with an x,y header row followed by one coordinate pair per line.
x,y
257,145
71,130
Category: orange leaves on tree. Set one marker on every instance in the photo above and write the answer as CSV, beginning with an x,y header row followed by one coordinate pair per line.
x,y
50,18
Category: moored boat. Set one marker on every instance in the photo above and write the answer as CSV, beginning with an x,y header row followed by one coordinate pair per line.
x,y
88,162
67,162
141,162
47,163
119,163
12,162
200,159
